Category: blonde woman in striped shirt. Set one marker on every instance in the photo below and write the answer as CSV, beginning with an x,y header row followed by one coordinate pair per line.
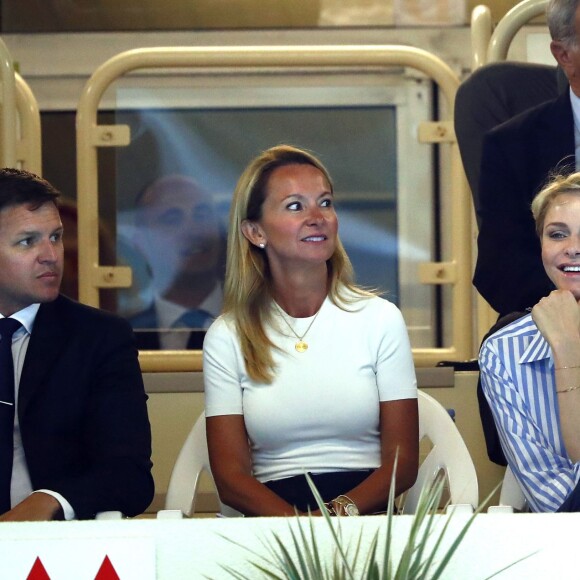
x,y
530,369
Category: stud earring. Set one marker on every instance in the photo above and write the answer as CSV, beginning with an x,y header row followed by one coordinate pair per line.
x,y
262,245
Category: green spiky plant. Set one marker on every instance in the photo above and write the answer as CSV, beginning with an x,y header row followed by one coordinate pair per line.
x,y
420,558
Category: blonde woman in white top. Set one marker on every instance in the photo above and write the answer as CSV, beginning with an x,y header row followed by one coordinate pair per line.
x,y
304,371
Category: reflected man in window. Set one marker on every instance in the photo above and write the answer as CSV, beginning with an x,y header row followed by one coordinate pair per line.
x,y
70,280
178,233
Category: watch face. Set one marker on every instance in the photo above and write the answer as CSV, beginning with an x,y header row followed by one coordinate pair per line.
x,y
351,510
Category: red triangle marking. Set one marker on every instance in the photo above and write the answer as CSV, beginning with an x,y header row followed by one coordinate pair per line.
x,y
38,571
106,571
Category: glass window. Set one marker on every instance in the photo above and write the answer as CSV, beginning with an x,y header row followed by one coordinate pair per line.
x,y
188,147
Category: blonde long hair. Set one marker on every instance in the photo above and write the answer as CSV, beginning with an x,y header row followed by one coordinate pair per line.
x,y
247,289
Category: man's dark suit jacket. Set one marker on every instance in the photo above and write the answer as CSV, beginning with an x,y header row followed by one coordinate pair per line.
x,y
145,326
518,157
82,410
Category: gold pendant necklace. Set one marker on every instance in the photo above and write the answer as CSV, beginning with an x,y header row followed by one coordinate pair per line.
x,y
301,345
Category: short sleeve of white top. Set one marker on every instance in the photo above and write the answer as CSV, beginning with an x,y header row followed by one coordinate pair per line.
x,y
321,412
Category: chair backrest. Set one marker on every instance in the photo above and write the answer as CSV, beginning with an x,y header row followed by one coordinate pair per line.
x,y
449,453
192,460
511,493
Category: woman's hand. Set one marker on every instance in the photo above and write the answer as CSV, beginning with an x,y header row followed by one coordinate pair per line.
x,y
557,317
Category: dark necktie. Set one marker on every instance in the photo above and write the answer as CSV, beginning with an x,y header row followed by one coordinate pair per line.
x,y
195,320
8,326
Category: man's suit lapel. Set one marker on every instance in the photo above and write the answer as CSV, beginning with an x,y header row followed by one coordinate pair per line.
x,y
46,342
560,125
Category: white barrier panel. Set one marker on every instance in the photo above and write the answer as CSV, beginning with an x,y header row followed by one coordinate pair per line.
x,y
199,548
78,558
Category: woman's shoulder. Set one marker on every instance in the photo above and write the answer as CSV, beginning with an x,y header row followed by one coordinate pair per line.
x,y
362,300
222,327
516,335
369,308
514,327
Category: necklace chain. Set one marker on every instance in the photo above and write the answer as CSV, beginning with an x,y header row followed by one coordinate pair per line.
x,y
300,346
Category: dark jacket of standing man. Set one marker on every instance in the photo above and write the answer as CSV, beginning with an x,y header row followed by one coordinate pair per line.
x,y
518,157
82,435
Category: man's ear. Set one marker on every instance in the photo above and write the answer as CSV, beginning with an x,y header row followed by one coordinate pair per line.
x,y
253,232
562,55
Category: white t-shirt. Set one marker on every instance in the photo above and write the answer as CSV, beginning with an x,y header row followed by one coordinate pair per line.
x,y
321,412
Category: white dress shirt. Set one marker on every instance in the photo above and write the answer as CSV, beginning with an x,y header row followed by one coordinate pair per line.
x,y
168,313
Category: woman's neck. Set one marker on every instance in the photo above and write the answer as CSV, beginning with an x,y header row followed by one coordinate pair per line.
x,y
301,296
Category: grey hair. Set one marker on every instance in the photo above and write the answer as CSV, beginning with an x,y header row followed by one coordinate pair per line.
x,y
561,17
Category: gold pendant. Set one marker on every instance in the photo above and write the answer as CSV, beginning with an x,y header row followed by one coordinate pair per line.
x,y
301,346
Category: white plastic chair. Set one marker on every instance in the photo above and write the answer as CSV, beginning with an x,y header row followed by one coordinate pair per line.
x,y
449,453
511,493
192,460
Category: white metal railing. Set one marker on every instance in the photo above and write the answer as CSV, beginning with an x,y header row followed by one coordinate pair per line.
x,y
510,24
20,141
456,270
8,113
488,46
28,140
481,27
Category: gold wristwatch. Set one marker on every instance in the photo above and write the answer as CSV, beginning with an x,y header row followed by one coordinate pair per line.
x,y
344,506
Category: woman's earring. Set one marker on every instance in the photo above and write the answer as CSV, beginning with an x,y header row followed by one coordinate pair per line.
x,y
262,245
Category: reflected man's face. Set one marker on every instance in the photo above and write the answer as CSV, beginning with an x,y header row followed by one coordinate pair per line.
x,y
178,231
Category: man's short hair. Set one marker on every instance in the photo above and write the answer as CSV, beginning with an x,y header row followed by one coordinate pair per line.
x,y
18,187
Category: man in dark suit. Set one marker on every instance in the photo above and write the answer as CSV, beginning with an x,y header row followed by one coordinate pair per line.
x,y
81,437
178,233
518,157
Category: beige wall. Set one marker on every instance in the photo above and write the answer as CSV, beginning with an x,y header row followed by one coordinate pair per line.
x,y
52,15
172,416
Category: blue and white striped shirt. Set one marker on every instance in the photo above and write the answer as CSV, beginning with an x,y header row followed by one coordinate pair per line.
x,y
517,375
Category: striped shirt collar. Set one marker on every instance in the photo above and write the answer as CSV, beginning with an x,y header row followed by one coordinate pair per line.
x,y
538,349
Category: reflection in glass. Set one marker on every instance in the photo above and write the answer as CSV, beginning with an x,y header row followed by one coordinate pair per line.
x,y
175,181
179,237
